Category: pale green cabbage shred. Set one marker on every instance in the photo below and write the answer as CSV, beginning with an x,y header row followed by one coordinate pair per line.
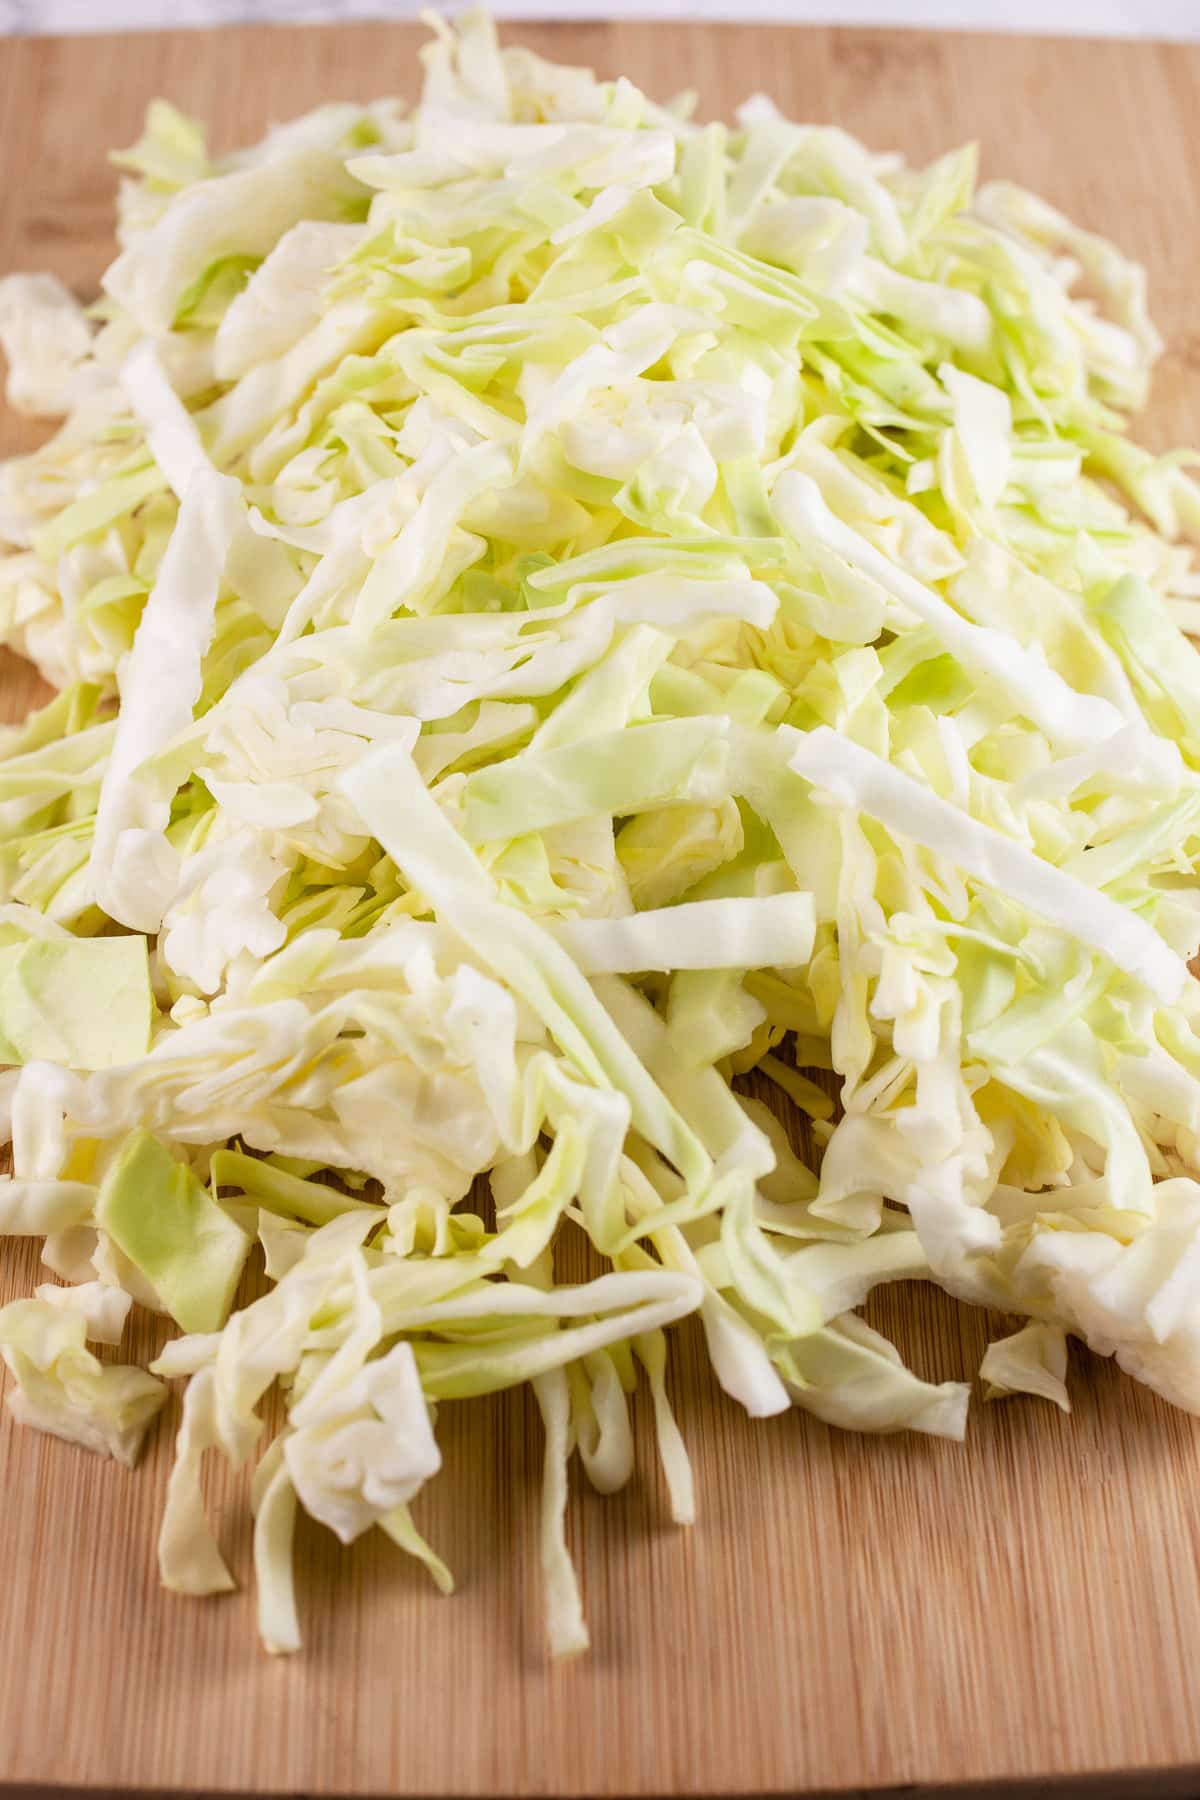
x,y
599,604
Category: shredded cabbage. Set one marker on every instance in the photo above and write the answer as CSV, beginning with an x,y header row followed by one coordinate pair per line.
x,y
557,608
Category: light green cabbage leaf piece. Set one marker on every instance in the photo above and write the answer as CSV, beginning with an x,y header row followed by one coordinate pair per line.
x,y
85,1003
60,1387
1030,1361
165,1221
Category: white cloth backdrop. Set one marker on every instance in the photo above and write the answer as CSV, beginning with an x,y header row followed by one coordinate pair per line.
x,y
1118,18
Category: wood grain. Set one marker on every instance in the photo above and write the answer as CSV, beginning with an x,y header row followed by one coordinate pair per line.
x,y
848,1614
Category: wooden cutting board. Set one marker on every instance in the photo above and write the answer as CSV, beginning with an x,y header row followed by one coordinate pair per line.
x,y
849,1613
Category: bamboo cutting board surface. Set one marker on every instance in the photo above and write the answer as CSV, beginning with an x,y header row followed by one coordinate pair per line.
x,y
848,1613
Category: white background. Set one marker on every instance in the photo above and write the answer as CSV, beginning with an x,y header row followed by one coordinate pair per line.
x,y
1121,18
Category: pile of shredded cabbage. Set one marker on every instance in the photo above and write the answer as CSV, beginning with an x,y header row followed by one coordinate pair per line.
x,y
555,607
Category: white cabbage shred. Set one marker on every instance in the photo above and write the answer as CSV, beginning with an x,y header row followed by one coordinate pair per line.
x,y
557,607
